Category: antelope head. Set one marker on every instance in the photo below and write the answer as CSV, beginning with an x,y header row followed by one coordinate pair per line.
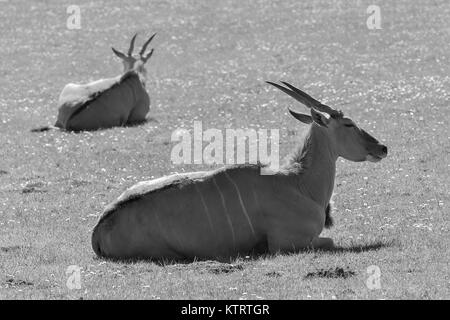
x,y
349,141
131,62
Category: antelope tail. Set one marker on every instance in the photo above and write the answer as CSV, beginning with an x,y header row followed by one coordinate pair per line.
x,y
328,218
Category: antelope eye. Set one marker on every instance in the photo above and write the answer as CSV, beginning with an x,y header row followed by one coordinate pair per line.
x,y
349,125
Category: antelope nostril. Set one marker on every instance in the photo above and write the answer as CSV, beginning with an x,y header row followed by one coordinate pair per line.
x,y
384,149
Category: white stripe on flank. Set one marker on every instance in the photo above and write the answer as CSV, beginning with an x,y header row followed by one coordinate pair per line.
x,y
244,210
226,211
158,222
205,207
172,231
255,198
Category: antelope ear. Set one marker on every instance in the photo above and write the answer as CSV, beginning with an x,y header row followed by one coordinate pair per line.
x,y
118,53
301,117
319,118
145,59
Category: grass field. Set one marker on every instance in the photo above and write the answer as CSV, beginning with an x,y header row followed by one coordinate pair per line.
x,y
210,64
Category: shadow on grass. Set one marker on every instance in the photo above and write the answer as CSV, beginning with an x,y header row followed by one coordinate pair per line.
x,y
230,261
224,261
127,125
359,248
261,253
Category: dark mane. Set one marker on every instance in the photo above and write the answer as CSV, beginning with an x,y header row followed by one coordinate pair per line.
x,y
328,219
338,115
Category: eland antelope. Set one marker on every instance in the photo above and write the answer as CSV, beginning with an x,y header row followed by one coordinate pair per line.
x,y
118,101
236,210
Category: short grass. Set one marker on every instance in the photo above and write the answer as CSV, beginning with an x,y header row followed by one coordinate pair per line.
x,y
210,64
